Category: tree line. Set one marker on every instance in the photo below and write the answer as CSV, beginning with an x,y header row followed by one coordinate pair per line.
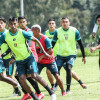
x,y
82,13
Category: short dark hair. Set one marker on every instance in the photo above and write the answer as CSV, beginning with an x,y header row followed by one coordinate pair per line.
x,y
64,18
21,17
98,16
51,19
3,19
13,19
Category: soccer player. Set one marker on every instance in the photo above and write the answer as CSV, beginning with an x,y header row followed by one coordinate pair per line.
x,y
50,33
23,25
7,57
97,31
4,47
66,36
43,61
25,62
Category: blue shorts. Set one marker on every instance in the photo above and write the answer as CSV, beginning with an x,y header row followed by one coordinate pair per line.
x,y
9,69
27,66
2,68
52,67
60,61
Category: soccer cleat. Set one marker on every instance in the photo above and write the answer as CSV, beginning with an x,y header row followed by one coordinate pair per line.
x,y
68,92
40,96
84,86
55,88
26,96
63,93
53,96
19,93
16,93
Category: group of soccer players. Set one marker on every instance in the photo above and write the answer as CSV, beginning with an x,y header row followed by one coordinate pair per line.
x,y
31,51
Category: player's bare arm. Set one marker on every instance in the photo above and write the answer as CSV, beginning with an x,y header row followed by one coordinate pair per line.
x,y
39,44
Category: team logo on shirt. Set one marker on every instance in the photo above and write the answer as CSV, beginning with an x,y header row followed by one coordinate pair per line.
x,y
15,44
50,37
66,36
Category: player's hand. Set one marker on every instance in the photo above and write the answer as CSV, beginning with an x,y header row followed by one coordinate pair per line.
x,y
11,61
84,60
93,35
49,56
92,49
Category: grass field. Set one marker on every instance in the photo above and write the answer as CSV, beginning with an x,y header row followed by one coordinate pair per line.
x,y
89,74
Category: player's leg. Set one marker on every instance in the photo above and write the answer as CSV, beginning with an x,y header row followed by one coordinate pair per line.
x,y
34,84
33,71
26,94
50,78
68,77
22,69
9,73
59,63
69,63
38,78
76,77
5,78
44,84
53,68
22,79
8,80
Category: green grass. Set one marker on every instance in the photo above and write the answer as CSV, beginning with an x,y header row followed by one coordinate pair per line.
x,y
87,52
89,74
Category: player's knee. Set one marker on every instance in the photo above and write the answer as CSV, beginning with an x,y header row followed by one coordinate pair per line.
x,y
34,75
68,67
57,76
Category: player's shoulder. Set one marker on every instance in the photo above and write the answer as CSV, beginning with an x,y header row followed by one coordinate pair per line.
x,y
20,29
47,31
27,29
55,30
59,28
44,36
74,28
